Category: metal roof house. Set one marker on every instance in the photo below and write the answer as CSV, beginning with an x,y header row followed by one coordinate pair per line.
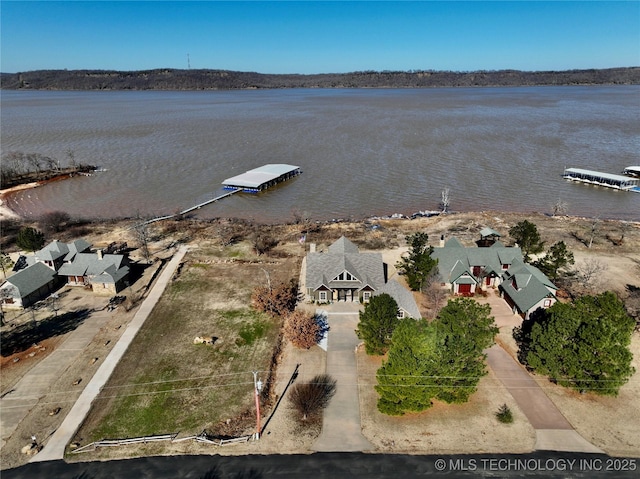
x,y
525,288
261,178
466,269
343,273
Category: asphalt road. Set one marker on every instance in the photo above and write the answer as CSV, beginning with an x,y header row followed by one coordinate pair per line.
x,y
339,466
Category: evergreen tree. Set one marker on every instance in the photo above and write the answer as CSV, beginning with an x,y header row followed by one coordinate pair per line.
x,y
557,257
418,264
526,235
441,360
584,345
377,322
30,239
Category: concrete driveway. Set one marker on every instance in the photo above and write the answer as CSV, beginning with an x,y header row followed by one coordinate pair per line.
x,y
341,428
553,431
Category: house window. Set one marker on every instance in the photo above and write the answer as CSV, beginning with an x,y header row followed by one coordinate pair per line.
x,y
345,276
505,266
547,303
366,296
400,314
322,295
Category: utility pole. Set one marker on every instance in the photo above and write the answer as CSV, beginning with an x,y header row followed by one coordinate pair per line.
x,y
257,386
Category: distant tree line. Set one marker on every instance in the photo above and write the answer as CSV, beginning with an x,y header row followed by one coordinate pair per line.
x,y
172,79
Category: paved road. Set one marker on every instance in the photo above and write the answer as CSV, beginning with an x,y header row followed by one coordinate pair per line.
x,y
553,431
341,428
56,444
342,465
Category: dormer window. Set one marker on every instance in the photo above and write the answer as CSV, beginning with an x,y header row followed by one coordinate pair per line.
x,y
345,276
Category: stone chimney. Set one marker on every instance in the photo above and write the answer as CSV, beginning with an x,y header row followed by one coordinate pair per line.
x,y
312,247
441,241
99,253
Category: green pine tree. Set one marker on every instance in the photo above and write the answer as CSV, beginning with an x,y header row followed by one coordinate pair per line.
x,y
418,264
557,258
377,322
30,239
526,235
584,345
441,360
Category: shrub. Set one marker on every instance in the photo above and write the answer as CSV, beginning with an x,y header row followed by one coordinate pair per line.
x,y
308,399
302,329
504,414
276,301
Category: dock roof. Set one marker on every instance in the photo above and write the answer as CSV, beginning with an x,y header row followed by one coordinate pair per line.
x,y
599,174
258,176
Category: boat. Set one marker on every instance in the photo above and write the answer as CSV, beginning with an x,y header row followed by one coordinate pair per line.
x,y
632,171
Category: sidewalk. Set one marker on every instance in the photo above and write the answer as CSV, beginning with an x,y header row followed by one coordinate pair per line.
x,y
341,428
56,444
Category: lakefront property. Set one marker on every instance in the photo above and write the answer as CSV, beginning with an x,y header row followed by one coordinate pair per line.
x,y
468,270
343,273
58,264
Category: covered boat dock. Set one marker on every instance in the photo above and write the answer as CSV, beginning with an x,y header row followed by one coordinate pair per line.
x,y
261,178
597,178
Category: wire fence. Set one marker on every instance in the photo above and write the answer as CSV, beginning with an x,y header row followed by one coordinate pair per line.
x,y
201,438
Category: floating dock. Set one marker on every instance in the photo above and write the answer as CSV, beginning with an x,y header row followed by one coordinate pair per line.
x,y
632,171
608,180
261,178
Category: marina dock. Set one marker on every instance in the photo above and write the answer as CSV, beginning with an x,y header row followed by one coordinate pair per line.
x,y
597,178
252,181
259,179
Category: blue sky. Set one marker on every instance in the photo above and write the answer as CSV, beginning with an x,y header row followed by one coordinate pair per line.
x,y
319,37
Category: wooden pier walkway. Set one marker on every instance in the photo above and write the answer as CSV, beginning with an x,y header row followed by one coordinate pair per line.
x,y
188,210
205,203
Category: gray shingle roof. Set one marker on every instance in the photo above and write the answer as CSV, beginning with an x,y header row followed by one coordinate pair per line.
x,y
403,297
52,251
88,264
32,278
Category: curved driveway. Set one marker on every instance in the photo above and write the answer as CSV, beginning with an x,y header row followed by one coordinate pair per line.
x,y
553,431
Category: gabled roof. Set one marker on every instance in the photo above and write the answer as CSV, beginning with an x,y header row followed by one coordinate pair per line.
x,y
75,247
533,286
486,231
403,297
32,278
89,264
454,259
111,275
342,245
52,251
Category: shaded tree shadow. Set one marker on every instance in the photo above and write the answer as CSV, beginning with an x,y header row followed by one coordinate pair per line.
x,y
24,336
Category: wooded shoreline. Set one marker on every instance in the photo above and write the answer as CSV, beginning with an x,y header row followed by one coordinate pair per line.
x,y
212,79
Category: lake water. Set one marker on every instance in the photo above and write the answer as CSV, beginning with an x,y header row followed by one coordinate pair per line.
x,y
363,152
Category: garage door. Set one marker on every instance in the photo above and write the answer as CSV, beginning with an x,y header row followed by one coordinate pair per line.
x,y
464,289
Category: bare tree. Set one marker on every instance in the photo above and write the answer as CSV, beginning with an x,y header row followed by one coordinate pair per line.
x,y
143,237
436,297
559,208
589,272
445,199
71,156
310,398
593,230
